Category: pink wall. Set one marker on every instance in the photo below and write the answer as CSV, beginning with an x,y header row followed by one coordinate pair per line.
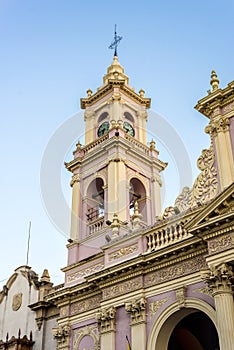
x,y
122,328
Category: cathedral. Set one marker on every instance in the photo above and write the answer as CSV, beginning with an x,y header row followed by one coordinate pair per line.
x,y
138,276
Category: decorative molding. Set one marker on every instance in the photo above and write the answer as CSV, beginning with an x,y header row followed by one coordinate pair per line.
x,y
122,288
155,306
205,186
106,319
137,310
83,273
220,278
17,301
122,252
221,243
85,305
91,331
180,296
64,311
180,269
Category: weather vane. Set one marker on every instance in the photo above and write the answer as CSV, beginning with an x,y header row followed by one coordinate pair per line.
x,y
115,42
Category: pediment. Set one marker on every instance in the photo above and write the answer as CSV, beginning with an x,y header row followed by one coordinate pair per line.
x,y
220,210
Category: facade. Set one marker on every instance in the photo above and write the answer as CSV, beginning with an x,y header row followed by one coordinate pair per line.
x,y
136,276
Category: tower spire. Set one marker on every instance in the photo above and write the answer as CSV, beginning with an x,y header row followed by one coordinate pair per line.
x,y
115,42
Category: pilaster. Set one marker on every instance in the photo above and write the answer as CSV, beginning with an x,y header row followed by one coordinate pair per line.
x,y
137,311
75,210
220,280
219,130
106,322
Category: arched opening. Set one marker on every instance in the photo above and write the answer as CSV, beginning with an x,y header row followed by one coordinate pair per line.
x,y
95,205
102,117
194,332
137,193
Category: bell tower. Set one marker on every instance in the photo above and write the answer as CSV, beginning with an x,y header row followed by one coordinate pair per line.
x,y
116,176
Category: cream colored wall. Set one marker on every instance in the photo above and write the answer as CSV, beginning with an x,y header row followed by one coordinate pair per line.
x,y
23,318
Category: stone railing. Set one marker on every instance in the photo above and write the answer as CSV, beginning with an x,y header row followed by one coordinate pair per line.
x,y
164,236
90,147
137,144
96,225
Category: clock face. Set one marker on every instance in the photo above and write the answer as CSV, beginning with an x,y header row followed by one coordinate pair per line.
x,y
103,128
129,129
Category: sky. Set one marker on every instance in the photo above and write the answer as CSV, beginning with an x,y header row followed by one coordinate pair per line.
x,y
51,53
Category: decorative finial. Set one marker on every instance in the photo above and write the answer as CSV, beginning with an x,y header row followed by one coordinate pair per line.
x,y
89,92
152,144
214,82
115,42
142,93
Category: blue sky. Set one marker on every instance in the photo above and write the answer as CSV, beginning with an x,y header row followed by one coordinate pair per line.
x,y
52,52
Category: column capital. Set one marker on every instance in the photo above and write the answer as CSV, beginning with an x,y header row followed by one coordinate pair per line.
x,y
61,334
219,278
75,178
137,310
106,319
220,124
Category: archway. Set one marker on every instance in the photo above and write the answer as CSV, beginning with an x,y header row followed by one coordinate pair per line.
x,y
194,332
173,318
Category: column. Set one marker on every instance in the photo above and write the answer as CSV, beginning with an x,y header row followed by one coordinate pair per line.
x,y
106,322
220,279
75,212
117,201
219,128
137,311
89,117
156,196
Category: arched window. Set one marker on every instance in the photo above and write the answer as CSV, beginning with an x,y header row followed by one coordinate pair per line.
x,y
137,193
102,117
129,117
95,201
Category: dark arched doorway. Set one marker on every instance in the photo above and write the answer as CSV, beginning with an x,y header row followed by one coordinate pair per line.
x,y
194,332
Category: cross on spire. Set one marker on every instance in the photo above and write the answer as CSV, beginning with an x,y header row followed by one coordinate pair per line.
x,y
115,42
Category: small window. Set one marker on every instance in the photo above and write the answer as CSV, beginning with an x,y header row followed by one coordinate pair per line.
x,y
129,117
102,117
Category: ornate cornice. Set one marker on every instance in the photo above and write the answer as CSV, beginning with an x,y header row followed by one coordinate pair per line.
x,y
217,98
106,89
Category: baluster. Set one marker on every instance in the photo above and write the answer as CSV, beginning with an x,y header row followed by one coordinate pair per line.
x,y
171,236
153,241
180,231
158,239
149,242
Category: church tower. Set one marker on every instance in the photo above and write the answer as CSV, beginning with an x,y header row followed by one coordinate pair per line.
x,y
116,175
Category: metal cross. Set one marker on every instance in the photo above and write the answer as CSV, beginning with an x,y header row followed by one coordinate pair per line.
x,y
115,42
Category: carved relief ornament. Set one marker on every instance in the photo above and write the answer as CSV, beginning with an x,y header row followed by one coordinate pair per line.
x,y
91,331
205,186
17,301
155,306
